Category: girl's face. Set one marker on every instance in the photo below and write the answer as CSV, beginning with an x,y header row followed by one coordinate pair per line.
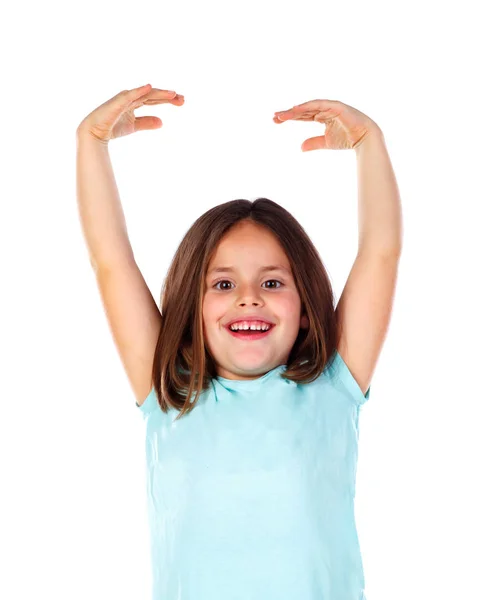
x,y
246,290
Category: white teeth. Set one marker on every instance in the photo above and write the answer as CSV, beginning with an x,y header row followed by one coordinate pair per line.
x,y
253,327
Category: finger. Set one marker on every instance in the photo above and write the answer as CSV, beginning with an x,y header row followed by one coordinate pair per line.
x,y
294,113
143,123
137,93
308,109
282,116
178,99
317,105
159,92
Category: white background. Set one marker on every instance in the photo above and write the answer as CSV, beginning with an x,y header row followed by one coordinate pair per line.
x,y
73,505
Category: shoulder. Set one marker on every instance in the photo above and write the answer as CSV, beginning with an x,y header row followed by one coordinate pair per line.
x,y
340,376
149,404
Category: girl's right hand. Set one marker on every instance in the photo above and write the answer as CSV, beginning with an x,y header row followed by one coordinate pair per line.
x,y
115,117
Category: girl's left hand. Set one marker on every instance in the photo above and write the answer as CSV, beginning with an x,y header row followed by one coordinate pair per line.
x,y
345,127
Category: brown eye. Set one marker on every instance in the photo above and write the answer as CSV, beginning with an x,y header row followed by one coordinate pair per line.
x,y
227,281
275,287
221,281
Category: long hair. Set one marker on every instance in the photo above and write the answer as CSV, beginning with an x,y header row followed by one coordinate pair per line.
x,y
182,366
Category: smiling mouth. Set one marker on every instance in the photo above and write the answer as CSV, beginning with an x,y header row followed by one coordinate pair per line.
x,y
250,334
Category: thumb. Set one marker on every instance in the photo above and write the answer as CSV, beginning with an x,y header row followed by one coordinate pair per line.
x,y
314,143
142,123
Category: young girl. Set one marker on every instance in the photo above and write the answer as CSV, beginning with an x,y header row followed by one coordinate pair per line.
x,y
250,381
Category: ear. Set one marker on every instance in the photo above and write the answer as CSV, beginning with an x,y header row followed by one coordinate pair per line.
x,y
305,322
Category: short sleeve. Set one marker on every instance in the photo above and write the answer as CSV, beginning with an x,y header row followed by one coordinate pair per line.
x,y
149,403
340,371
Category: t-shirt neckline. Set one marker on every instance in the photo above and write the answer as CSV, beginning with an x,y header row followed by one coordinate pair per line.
x,y
250,384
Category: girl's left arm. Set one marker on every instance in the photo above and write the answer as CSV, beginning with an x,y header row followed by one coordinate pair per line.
x,y
365,306
379,206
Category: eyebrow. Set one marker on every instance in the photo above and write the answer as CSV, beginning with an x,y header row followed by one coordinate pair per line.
x,y
261,270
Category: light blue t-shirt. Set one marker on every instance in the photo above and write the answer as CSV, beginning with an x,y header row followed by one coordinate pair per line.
x,y
251,494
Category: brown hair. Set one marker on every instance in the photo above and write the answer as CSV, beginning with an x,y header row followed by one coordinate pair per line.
x,y
176,375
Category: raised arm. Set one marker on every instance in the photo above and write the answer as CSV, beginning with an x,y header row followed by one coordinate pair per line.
x,y
99,206
131,311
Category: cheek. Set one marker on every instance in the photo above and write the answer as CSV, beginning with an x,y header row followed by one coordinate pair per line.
x,y
213,308
289,306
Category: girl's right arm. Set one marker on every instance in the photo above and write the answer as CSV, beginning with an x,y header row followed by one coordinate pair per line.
x,y
100,210
133,316
99,206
